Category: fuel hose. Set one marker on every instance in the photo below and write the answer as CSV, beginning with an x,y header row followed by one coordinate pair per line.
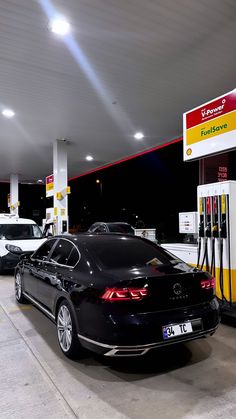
x,y
213,260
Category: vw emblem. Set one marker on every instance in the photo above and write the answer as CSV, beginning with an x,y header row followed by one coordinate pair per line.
x,y
177,288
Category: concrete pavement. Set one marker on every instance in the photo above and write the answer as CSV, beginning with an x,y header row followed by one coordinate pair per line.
x,y
196,380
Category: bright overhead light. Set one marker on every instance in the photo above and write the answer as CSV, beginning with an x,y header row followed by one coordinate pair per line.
x,y
89,158
60,26
138,136
39,181
8,113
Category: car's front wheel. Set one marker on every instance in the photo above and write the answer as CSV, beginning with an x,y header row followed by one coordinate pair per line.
x,y
19,288
66,331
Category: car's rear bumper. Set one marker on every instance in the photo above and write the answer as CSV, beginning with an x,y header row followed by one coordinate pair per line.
x,y
138,350
130,339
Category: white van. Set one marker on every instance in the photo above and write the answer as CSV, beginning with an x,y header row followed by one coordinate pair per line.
x,y
17,235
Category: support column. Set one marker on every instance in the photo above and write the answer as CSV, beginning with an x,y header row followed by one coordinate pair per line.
x,y
14,196
61,190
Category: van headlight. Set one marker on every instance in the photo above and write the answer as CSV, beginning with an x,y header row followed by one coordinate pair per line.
x,y
13,249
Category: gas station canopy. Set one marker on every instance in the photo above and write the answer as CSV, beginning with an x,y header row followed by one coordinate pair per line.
x,y
125,67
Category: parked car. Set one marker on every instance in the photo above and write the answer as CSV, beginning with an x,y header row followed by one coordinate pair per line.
x,y
17,235
114,227
117,295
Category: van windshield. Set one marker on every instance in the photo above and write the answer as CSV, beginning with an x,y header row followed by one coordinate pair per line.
x,y
20,231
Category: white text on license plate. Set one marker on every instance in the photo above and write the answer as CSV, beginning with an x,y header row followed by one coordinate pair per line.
x,y
174,330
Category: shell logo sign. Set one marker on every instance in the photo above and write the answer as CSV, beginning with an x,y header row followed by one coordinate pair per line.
x,y
210,128
49,185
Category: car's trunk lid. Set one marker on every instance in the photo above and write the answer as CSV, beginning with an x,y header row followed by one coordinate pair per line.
x,y
168,287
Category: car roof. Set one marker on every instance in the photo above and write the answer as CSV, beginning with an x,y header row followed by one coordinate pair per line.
x,y
111,222
86,237
12,219
118,222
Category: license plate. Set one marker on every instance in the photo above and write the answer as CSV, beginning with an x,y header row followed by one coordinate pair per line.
x,y
173,330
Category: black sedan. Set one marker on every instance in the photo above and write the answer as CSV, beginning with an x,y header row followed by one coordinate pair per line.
x,y
117,295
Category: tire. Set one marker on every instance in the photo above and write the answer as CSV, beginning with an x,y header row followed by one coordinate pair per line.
x,y
67,333
19,289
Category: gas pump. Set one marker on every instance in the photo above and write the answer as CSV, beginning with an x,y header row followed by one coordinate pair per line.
x,y
201,229
205,228
220,216
50,223
215,232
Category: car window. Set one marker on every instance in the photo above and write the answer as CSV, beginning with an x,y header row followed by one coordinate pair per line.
x,y
20,231
100,229
74,257
62,252
93,227
121,228
126,252
44,250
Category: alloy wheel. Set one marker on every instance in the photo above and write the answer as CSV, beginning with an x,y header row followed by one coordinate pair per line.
x,y
18,286
64,328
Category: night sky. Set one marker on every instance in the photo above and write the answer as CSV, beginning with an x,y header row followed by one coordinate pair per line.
x,y
155,187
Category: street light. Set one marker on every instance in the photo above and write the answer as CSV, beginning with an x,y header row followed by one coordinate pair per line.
x,y
99,182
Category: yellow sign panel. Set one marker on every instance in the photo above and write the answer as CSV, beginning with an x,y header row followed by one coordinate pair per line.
x,y
49,186
212,128
63,212
59,196
201,206
223,204
55,211
49,181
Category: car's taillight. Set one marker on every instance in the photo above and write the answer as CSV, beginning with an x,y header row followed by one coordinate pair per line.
x,y
207,284
119,294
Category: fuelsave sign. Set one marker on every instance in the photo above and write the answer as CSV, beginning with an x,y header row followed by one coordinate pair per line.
x,y
210,128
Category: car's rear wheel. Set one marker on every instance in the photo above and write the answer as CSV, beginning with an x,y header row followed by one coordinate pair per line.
x,y
19,288
66,331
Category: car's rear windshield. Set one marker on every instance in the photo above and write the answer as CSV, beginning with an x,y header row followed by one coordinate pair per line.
x,y
120,228
20,231
127,252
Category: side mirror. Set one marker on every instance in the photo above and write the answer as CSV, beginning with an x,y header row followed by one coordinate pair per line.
x,y
25,255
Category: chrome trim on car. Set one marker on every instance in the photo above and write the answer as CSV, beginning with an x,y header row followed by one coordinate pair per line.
x,y
38,305
138,350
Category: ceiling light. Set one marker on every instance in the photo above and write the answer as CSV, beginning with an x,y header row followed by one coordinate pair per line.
x,y
138,136
39,181
89,158
60,26
8,113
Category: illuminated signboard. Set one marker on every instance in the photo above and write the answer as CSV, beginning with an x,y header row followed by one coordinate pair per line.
x,y
210,128
49,185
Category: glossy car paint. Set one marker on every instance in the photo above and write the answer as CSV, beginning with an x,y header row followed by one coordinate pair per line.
x,y
120,328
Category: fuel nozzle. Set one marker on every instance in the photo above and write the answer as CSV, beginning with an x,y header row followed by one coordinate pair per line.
x,y
223,224
223,229
208,229
215,230
201,229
